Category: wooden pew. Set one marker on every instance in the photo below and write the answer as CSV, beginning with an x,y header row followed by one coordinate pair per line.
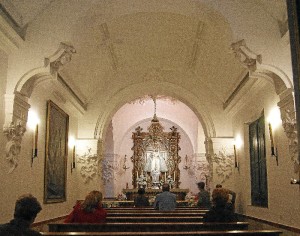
x,y
182,233
151,209
156,214
146,227
162,218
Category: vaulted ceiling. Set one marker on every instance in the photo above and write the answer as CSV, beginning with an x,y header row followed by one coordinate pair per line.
x,y
178,48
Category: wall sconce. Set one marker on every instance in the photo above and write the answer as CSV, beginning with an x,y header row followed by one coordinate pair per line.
x,y
33,123
124,165
235,157
273,122
72,145
237,145
186,167
294,181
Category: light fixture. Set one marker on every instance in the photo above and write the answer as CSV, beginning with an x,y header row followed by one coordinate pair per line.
x,y
72,145
273,122
237,145
186,167
124,165
33,123
295,181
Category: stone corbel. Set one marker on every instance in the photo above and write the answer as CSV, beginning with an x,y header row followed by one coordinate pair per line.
x,y
62,56
247,57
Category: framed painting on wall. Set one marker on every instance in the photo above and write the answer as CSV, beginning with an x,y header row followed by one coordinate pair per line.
x,y
56,154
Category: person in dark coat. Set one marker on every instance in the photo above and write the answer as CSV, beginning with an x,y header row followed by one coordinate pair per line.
x,y
141,200
219,212
26,209
203,196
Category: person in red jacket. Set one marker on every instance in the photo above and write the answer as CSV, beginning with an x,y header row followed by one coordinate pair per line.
x,y
89,211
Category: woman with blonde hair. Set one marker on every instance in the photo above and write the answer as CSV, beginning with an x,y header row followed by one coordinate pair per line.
x,y
89,211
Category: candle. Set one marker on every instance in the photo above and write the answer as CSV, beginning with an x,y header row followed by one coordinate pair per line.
x,y
73,164
165,176
235,157
36,140
272,140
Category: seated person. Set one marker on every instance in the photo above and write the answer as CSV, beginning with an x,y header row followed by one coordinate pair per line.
x,y
219,212
89,211
203,196
165,201
141,200
26,209
231,198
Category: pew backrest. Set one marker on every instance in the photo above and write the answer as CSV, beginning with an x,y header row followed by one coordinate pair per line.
x,y
146,227
182,233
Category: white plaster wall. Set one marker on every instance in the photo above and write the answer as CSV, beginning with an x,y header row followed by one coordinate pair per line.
x,y
30,179
284,198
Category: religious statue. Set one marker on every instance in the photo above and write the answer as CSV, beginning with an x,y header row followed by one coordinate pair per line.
x,y
156,161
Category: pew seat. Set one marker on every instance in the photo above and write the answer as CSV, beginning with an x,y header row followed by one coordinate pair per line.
x,y
182,233
145,227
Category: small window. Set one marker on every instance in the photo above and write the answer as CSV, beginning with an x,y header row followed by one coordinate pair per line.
x,y
258,167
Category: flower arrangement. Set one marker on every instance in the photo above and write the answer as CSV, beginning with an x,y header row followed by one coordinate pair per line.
x,y
142,181
191,199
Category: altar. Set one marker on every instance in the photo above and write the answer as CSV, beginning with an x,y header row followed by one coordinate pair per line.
x,y
151,193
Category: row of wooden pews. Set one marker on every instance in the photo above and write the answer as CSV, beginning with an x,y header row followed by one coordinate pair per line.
x,y
150,222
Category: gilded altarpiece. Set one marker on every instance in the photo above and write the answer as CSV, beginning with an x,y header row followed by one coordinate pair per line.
x,y
155,157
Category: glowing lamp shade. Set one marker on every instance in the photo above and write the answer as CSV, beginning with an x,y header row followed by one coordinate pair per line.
x,y
71,142
238,142
274,118
33,120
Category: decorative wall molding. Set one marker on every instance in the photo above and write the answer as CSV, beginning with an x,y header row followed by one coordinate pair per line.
x,y
89,165
109,43
194,54
289,124
142,100
14,133
225,164
247,57
15,130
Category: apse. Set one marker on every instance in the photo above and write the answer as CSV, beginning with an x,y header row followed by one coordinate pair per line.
x,y
138,114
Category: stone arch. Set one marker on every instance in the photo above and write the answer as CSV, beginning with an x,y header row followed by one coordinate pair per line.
x,y
17,104
173,90
284,89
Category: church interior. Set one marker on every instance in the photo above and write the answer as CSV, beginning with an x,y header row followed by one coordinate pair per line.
x,y
117,95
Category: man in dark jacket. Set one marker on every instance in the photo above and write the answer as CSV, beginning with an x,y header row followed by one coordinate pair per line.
x,y
26,209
